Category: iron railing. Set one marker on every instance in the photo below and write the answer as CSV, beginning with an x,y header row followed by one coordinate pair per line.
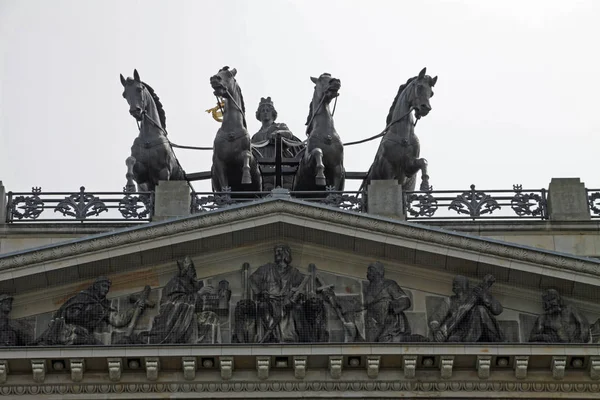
x,y
593,197
82,206
476,204
346,200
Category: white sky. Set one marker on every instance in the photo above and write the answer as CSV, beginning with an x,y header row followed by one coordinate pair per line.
x,y
516,99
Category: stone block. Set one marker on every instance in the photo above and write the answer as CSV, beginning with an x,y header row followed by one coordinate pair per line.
x,y
510,330
172,199
417,322
527,321
567,200
385,199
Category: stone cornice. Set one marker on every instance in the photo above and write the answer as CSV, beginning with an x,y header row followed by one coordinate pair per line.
x,y
304,371
296,208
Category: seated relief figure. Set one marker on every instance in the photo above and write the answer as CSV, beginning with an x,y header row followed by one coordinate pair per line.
x,y
267,115
469,315
12,333
284,310
83,314
560,323
184,315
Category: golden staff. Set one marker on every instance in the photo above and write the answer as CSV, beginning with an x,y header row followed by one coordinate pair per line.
x,y
217,111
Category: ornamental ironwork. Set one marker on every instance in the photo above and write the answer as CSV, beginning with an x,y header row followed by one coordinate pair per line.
x,y
25,207
528,204
421,204
136,207
352,201
203,202
81,205
594,202
474,203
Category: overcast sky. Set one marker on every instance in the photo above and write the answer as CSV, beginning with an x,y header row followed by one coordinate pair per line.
x,y
516,100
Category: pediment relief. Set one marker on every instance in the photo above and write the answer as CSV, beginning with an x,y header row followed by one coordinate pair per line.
x,y
413,295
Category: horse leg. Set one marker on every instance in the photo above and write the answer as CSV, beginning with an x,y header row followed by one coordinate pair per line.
x,y
338,178
219,178
246,178
420,164
164,174
317,156
130,186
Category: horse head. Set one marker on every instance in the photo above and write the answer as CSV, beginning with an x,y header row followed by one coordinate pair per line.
x,y
135,94
224,83
326,87
422,91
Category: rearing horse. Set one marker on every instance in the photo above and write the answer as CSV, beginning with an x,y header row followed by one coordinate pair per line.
x,y
234,167
322,164
398,153
152,158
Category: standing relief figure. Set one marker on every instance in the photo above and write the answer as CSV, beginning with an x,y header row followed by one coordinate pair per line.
x,y
468,315
12,333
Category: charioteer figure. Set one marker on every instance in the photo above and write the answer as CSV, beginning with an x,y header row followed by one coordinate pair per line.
x,y
469,315
560,323
264,141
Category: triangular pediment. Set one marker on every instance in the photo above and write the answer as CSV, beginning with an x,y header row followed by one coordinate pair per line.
x,y
421,259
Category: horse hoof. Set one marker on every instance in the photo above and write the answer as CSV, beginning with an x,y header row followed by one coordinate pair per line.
x,y
246,179
425,187
320,181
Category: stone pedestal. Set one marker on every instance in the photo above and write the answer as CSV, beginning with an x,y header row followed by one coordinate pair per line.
x,y
385,199
171,200
567,200
2,204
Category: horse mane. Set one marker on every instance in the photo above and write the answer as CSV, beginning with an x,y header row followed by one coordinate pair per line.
x,y
159,107
400,90
309,117
239,92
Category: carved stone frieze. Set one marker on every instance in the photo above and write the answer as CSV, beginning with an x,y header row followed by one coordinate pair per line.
x,y
446,365
559,363
595,367
483,366
38,368
4,370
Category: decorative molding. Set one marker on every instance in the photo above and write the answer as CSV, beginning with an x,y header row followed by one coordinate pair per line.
x,y
446,364
263,364
300,366
595,367
226,367
373,366
152,367
4,370
297,208
521,363
484,364
115,369
559,363
38,368
335,366
189,367
77,366
299,389
409,364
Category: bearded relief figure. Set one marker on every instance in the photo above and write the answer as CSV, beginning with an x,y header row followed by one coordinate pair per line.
x,y
560,323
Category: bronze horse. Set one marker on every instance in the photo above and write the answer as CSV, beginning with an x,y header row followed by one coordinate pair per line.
x,y
152,158
234,166
322,164
398,153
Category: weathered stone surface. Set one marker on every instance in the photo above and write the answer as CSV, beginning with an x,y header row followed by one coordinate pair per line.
x,y
567,200
385,199
172,200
